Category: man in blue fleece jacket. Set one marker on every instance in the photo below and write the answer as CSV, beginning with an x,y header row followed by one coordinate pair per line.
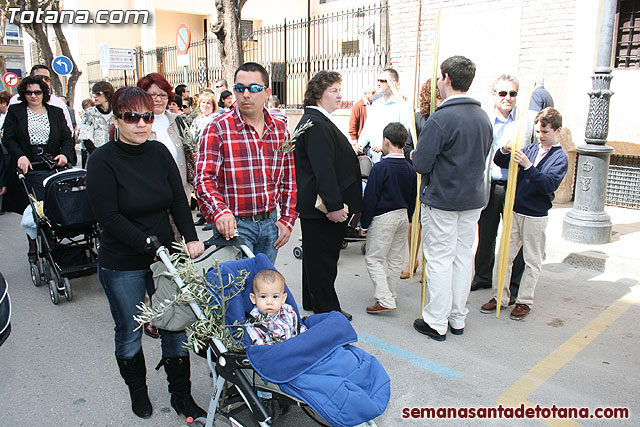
x,y
452,156
542,168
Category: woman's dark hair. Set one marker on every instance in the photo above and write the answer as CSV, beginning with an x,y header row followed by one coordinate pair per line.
x,y
159,80
104,87
29,80
131,99
178,100
5,97
223,95
425,98
318,84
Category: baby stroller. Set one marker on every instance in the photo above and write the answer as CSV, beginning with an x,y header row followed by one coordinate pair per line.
x,y
67,233
332,381
352,235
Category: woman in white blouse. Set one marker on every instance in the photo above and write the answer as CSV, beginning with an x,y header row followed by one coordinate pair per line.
x,y
33,130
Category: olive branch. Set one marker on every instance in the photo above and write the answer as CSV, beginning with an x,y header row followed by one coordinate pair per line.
x,y
287,146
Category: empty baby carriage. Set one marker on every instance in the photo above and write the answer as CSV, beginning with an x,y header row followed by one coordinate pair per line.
x,y
333,381
67,233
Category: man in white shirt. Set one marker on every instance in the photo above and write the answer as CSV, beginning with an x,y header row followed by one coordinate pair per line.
x,y
388,108
42,70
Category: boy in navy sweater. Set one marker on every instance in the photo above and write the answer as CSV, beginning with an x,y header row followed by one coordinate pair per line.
x,y
542,168
388,204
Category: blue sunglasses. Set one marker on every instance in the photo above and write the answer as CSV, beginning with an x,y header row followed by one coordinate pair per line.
x,y
253,88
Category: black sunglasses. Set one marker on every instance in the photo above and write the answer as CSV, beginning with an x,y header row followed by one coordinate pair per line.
x,y
382,80
33,92
133,118
98,93
504,93
253,87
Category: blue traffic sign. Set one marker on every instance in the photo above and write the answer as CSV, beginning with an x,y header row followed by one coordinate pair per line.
x,y
62,65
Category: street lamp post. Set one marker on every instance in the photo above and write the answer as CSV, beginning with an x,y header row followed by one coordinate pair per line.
x,y
587,222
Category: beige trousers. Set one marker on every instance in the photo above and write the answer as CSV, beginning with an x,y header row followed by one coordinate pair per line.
x,y
387,244
529,233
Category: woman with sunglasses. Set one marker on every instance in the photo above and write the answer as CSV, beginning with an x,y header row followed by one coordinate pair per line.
x,y
34,129
134,185
169,128
94,128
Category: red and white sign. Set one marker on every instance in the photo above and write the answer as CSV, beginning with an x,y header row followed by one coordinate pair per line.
x,y
183,38
11,79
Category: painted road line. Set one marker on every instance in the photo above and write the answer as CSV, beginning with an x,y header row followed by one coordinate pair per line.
x,y
401,353
551,364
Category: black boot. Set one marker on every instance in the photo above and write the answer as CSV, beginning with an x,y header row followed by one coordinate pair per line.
x,y
32,254
178,371
134,373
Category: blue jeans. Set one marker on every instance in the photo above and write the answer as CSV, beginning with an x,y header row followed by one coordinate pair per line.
x,y
125,289
260,236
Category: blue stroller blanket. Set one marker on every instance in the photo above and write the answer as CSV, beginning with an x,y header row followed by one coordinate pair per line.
x,y
341,382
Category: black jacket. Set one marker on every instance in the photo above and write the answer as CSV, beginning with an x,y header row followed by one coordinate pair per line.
x,y
16,140
326,165
16,134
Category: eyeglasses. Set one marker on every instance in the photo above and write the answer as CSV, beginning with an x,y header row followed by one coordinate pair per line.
x,y
98,93
253,87
134,118
382,80
504,93
159,95
33,92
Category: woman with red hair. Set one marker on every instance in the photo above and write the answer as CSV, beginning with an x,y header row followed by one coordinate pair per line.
x,y
168,128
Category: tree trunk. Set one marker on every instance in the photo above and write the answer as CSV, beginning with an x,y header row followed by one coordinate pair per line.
x,y
75,73
227,30
3,70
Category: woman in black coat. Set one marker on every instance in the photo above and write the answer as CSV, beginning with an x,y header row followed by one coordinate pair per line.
x,y
326,168
32,128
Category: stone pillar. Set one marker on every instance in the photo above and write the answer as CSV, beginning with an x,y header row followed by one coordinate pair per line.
x,y
587,222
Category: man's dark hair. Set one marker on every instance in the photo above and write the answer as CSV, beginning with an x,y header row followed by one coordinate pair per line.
x,y
393,73
39,67
180,89
396,134
254,66
549,116
29,80
104,87
461,71
318,84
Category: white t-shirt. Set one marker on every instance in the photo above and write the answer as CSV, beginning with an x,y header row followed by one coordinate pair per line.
x,y
161,129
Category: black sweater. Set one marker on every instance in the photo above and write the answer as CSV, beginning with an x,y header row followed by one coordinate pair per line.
x,y
391,186
132,189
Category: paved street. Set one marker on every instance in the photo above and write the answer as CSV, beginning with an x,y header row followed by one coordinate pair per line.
x,y
578,347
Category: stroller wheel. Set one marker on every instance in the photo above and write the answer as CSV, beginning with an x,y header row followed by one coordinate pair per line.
x,y
35,273
67,289
344,244
297,252
53,292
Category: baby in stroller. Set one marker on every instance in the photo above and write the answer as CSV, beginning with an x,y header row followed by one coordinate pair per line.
x,y
271,320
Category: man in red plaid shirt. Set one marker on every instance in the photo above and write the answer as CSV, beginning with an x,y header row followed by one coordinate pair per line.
x,y
241,176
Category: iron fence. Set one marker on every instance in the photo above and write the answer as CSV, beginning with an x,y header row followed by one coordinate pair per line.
x,y
354,43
